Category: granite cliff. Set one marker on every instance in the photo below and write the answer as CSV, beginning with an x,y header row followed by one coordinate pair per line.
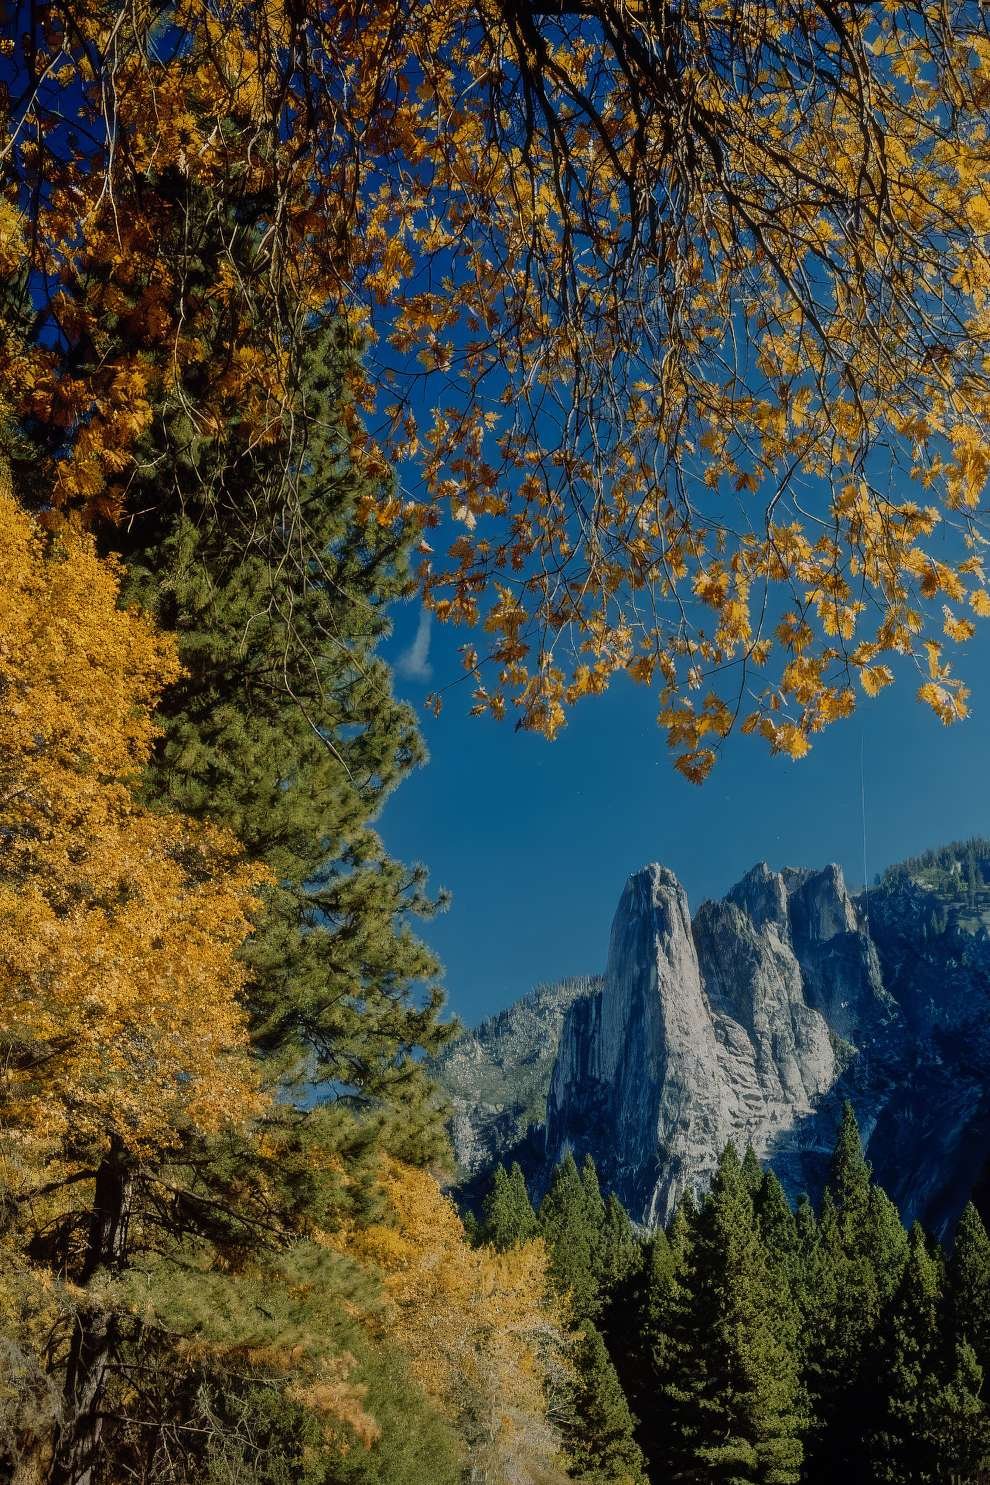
x,y
752,1022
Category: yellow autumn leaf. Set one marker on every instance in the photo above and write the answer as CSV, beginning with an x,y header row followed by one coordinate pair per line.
x,y
873,678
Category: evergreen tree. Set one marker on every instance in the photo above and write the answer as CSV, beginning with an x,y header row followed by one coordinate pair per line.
x,y
806,1234
602,1446
752,1171
886,1244
285,729
594,1218
733,1377
644,1353
825,1347
661,1273
222,1419
960,1427
160,1201
573,1242
779,1232
273,564
849,1183
680,1233
967,1288
594,1202
777,1223
843,1296
507,1215
621,1253
903,1444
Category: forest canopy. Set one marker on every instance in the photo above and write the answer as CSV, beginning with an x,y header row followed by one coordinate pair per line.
x,y
676,316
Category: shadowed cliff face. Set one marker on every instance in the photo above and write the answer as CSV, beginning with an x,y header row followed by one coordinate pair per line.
x,y
495,1078
752,1023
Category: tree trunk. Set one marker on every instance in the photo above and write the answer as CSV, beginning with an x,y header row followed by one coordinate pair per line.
x,y
77,1443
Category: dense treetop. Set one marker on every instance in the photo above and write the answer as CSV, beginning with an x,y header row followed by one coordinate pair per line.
x,y
759,1344
200,1281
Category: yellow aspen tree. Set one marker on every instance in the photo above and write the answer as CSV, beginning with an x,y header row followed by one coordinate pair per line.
x,y
483,1334
119,985
121,1030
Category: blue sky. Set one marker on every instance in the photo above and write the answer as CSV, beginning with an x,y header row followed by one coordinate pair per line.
x,y
535,839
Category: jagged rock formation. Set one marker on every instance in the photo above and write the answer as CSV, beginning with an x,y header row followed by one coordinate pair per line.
x,y
752,1023
733,1027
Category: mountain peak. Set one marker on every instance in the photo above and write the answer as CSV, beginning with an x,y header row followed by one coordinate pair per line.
x,y
762,894
752,1023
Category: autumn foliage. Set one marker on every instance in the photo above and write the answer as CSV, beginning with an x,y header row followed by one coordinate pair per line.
x,y
678,314
120,1015
152,1221
483,1332
642,339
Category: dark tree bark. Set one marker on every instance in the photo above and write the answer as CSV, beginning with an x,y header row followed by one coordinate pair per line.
x,y
77,1445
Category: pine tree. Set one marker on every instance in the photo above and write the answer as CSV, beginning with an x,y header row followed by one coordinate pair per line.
x,y
777,1222
625,1259
507,1215
148,1219
680,1233
594,1202
849,1273
733,1376
621,1253
960,1426
602,1443
594,1217
285,729
779,1232
903,1442
849,1183
262,1416
593,1249
662,1271
805,1222
824,1346
752,1171
566,1224
886,1244
967,1288
641,1335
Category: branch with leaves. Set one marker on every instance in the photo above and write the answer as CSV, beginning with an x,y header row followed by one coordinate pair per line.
x,y
677,316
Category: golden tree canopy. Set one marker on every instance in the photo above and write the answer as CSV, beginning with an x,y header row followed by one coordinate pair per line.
x,y
483,1334
120,1017
678,312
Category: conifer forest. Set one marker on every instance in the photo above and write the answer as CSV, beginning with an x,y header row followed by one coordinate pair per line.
x,y
643,347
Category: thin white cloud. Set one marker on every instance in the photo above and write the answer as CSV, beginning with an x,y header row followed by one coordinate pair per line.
x,y
415,662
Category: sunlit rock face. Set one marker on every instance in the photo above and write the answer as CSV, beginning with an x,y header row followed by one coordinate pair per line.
x,y
705,1034
751,1023
638,1078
